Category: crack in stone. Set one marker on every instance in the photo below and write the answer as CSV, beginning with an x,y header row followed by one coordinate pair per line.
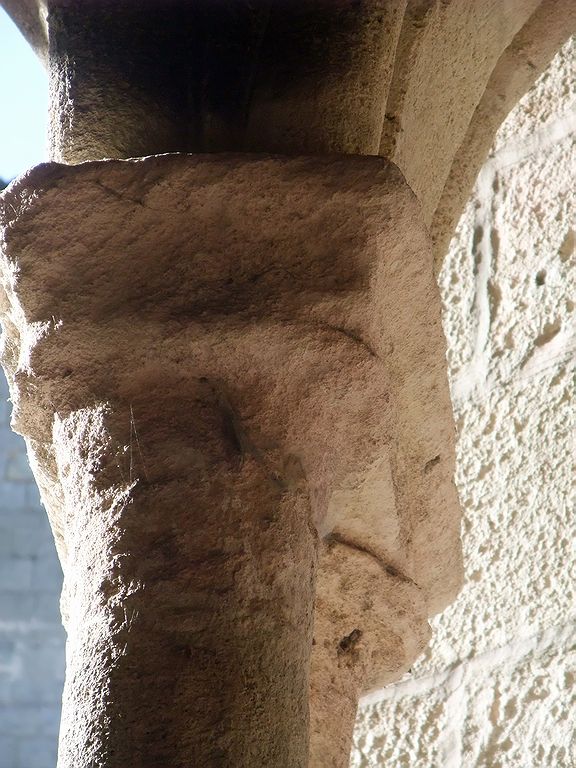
x,y
354,336
390,570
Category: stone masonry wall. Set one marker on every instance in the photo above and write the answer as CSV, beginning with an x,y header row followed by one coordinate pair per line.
x,y
497,686
31,634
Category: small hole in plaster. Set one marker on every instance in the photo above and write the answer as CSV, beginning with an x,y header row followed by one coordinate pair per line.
x,y
485,470
476,575
509,340
568,245
550,331
476,240
541,277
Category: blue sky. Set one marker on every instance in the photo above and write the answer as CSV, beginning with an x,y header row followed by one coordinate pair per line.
x,y
23,103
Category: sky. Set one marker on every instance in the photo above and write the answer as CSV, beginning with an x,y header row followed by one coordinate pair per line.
x,y
23,103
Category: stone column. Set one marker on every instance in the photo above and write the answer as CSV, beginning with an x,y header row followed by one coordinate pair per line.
x,y
219,362
129,78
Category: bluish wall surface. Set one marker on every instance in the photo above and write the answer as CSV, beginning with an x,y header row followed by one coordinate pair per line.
x,y
31,635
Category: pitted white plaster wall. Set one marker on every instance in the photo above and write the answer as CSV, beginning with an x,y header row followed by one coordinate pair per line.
x,y
496,688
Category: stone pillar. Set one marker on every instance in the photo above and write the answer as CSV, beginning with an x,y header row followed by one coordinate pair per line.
x,y
130,79
219,362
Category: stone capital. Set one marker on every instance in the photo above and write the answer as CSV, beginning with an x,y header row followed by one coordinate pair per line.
x,y
230,374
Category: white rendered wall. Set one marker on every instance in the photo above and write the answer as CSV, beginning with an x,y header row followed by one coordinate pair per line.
x,y
497,688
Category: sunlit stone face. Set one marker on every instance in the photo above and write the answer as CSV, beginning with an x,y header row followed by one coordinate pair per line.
x,y
189,361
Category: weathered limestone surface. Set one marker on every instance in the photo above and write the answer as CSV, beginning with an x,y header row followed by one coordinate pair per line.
x,y
425,83
208,406
517,68
496,687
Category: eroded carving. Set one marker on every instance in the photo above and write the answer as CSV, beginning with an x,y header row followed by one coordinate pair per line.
x,y
210,405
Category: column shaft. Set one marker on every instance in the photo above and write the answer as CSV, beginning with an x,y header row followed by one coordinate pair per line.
x,y
188,590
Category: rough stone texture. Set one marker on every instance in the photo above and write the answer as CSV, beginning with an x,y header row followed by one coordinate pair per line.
x,y
526,56
553,95
496,687
298,77
201,398
31,634
509,708
430,108
432,79
425,83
